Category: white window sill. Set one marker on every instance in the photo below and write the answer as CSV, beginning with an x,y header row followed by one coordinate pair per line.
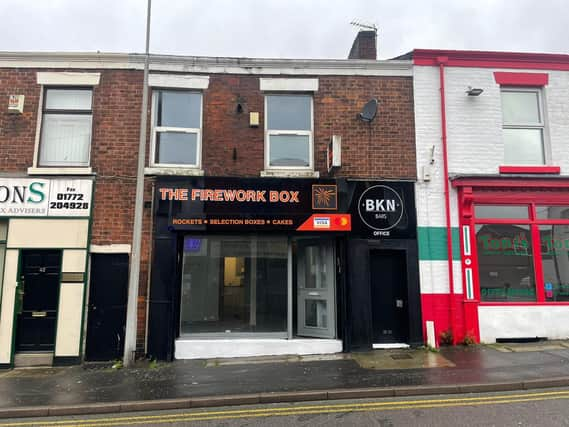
x,y
285,173
60,171
173,171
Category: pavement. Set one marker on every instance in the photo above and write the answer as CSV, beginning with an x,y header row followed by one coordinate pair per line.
x,y
98,388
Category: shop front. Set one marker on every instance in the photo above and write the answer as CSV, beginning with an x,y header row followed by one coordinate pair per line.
x,y
515,257
254,266
44,234
383,296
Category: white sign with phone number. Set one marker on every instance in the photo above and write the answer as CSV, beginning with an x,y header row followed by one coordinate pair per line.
x,y
25,197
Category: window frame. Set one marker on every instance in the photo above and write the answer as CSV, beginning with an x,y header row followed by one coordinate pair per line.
x,y
309,133
45,111
542,124
4,244
158,129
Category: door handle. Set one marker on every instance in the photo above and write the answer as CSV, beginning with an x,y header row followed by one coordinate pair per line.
x,y
399,303
39,313
314,294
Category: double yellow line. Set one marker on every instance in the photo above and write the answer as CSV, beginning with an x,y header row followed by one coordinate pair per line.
x,y
298,410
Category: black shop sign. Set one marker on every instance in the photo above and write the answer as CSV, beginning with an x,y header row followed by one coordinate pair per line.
x,y
253,204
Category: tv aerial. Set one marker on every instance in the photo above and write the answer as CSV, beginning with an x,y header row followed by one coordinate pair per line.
x,y
364,25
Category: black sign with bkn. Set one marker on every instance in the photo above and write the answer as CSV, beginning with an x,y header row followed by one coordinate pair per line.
x,y
382,209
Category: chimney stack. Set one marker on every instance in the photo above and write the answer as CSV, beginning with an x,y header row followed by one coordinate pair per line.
x,y
364,46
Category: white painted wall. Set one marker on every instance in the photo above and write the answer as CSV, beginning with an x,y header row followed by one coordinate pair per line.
x,y
474,124
69,315
204,349
7,307
48,233
73,260
474,130
523,322
434,277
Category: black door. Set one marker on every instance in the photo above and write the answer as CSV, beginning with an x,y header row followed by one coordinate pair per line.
x,y
108,291
389,296
38,294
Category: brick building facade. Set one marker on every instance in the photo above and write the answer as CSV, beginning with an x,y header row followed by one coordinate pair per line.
x,y
91,102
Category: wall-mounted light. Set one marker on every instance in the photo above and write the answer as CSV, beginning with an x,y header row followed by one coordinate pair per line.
x,y
474,91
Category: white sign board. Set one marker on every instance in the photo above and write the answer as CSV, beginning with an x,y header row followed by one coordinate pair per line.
x,y
33,197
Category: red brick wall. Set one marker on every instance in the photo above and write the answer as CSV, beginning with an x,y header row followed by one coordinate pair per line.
x,y
17,132
116,118
383,149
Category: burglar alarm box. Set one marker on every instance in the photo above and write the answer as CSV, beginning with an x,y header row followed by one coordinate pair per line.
x,y
16,104
334,152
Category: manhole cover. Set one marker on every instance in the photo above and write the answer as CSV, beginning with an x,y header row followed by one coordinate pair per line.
x,y
401,356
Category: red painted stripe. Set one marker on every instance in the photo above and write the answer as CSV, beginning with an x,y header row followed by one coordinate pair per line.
x,y
521,79
329,222
522,304
507,183
530,169
437,308
484,59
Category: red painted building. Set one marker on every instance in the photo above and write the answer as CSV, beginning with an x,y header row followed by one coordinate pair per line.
x,y
493,194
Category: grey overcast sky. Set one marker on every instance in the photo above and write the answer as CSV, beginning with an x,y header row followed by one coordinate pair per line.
x,y
283,28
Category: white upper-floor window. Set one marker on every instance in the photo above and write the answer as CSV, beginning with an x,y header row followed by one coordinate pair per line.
x,y
176,130
67,121
289,131
523,129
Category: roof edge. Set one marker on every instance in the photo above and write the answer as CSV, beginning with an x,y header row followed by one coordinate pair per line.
x,y
178,63
497,59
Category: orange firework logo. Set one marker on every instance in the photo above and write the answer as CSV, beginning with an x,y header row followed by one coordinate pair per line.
x,y
325,197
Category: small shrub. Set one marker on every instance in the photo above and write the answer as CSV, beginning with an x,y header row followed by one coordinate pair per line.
x,y
469,339
445,337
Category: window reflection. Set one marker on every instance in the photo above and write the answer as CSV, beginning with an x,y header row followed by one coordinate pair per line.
x,y
552,212
505,262
555,261
501,211
234,284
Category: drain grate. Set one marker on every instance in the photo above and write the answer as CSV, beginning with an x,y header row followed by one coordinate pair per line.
x,y
401,356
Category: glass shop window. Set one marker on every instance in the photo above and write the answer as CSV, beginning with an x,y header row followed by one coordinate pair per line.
x,y
552,212
555,261
505,262
234,284
501,211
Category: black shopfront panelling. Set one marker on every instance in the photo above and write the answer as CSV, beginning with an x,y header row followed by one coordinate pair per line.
x,y
382,217
177,211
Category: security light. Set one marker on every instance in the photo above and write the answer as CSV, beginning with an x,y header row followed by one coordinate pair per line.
x,y
474,91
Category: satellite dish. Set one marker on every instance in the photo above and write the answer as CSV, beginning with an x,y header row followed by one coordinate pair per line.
x,y
369,111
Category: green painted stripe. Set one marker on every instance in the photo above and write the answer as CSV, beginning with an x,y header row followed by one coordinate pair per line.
x,y
469,290
433,243
466,238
